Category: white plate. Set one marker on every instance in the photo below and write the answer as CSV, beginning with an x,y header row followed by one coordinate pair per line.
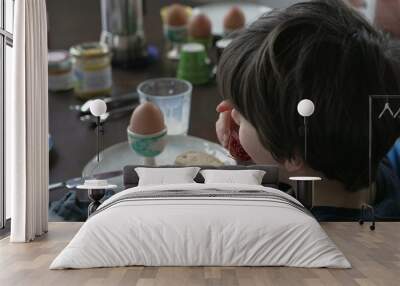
x,y
119,155
217,11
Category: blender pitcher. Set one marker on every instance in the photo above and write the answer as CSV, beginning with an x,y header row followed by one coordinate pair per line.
x,y
122,31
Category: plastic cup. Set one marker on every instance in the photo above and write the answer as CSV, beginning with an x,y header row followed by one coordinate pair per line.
x,y
206,42
173,97
193,65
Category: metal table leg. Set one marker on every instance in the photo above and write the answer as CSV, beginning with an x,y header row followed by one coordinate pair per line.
x,y
95,195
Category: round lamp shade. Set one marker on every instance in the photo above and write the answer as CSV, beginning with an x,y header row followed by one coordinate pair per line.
x,y
305,107
98,107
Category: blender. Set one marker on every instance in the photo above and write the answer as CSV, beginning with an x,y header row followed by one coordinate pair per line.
x,y
122,31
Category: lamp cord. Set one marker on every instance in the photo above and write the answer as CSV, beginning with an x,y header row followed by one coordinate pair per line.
x,y
305,138
98,139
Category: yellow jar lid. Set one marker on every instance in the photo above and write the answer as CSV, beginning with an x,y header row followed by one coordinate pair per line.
x,y
94,49
164,12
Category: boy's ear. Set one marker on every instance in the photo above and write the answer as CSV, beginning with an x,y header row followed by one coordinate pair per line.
x,y
293,165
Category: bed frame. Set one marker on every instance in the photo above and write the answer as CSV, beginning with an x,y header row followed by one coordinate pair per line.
x,y
270,179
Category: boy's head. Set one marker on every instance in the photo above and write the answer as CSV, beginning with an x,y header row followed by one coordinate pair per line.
x,y
323,51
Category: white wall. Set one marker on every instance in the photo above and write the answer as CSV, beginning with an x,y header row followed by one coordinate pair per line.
x,y
278,3
269,3
9,9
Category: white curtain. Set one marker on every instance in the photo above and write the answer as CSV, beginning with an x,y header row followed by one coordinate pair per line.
x,y
27,124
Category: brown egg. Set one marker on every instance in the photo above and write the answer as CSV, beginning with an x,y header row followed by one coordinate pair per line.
x,y
177,15
234,19
147,119
200,27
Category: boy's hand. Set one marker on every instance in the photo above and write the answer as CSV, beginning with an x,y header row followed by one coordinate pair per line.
x,y
228,131
222,126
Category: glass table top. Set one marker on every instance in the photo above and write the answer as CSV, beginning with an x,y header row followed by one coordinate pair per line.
x,y
119,155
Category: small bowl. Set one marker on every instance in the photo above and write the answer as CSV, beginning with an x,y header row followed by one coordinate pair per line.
x,y
147,145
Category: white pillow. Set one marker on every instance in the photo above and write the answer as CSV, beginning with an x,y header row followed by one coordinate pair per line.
x,y
247,177
164,176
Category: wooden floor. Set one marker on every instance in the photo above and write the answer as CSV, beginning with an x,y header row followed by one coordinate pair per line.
x,y
375,257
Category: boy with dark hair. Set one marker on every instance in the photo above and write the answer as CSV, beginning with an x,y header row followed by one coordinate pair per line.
x,y
326,52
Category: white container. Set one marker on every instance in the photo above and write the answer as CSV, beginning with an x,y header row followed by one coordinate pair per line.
x,y
60,71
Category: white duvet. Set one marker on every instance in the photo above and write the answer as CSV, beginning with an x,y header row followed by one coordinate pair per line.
x,y
200,231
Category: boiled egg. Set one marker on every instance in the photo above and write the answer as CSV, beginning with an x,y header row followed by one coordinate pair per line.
x,y
234,19
147,119
200,27
177,15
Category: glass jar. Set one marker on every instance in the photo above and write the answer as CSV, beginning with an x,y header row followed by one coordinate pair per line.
x,y
92,69
60,71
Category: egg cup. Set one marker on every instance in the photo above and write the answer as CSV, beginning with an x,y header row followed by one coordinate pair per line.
x,y
176,35
148,146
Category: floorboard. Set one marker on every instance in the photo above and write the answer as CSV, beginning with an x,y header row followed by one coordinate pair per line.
x,y
375,257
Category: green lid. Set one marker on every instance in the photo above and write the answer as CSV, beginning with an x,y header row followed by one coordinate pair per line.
x,y
206,42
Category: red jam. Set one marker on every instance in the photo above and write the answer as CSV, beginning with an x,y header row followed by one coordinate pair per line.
x,y
234,146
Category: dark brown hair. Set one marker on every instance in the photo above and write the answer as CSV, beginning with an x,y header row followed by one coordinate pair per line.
x,y
326,52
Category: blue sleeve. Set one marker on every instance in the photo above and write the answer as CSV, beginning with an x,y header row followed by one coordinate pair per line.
x,y
394,157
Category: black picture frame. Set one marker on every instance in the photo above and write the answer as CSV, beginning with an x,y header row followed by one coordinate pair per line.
x,y
367,210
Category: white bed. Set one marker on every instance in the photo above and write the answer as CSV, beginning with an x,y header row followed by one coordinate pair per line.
x,y
267,229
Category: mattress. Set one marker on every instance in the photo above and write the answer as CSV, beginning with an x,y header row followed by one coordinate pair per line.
x,y
201,225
